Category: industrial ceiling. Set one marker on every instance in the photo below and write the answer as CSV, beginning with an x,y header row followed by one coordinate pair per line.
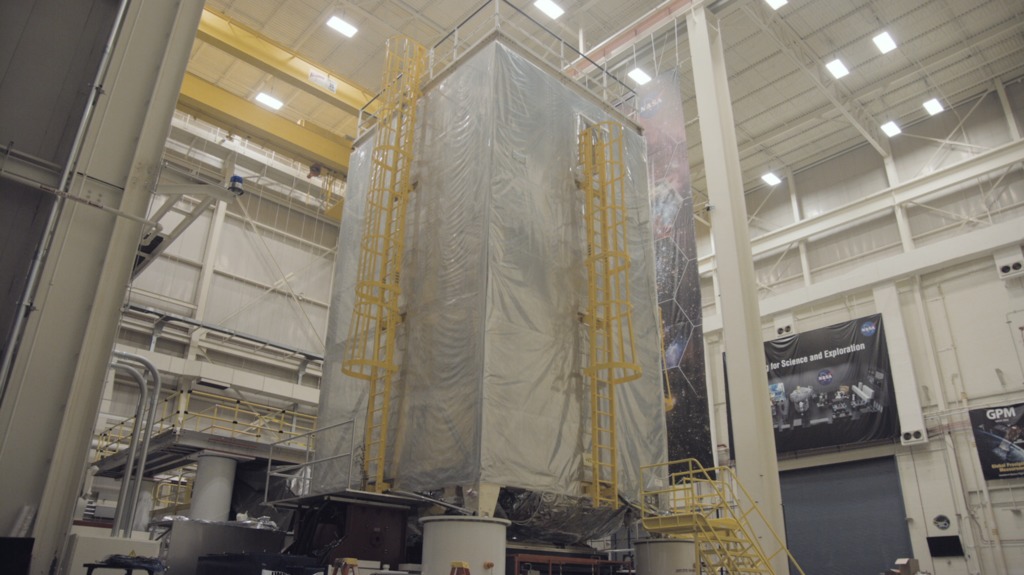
x,y
790,112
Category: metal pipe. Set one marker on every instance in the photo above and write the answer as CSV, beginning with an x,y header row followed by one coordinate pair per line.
x,y
147,433
133,444
26,305
169,317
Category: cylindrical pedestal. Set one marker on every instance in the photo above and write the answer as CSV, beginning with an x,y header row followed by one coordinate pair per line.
x,y
478,541
665,557
211,493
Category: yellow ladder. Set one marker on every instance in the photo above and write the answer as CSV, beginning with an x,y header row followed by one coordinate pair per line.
x,y
712,508
611,354
370,350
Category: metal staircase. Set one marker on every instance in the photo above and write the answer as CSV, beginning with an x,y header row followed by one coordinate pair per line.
x,y
611,354
710,506
370,353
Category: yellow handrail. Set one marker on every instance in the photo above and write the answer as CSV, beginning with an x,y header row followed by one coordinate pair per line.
x,y
217,415
712,506
370,352
173,494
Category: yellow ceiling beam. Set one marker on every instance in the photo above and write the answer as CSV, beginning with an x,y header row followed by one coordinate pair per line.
x,y
218,106
254,49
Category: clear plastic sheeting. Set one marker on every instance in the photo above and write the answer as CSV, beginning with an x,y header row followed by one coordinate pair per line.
x,y
490,388
342,410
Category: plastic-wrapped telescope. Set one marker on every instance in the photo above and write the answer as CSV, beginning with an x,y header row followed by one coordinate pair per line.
x,y
497,332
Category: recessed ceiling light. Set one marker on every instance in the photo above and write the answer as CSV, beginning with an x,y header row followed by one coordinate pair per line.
x,y
776,4
550,8
890,128
342,26
639,76
269,101
934,106
884,42
771,179
837,68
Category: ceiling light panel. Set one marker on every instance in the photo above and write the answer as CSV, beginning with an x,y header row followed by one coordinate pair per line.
x,y
891,129
639,76
837,68
884,42
934,106
776,4
346,28
548,7
269,101
771,179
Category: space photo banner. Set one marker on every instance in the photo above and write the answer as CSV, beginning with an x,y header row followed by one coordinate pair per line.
x,y
999,440
660,114
831,386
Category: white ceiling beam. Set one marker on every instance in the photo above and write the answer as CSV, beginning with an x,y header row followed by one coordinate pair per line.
x,y
883,202
806,60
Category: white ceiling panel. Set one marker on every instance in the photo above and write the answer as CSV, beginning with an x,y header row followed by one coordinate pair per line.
x,y
950,49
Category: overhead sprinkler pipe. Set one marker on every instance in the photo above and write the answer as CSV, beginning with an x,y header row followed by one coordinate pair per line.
x,y
133,443
146,434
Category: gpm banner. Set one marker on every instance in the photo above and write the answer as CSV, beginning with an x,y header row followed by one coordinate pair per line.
x,y
999,434
831,386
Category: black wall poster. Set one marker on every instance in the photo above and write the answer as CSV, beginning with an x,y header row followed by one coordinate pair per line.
x,y
831,386
998,436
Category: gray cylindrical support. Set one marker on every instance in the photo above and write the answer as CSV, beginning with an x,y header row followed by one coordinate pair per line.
x,y
665,557
478,541
211,493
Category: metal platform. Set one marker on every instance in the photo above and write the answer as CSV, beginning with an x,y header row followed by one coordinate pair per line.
x,y
172,449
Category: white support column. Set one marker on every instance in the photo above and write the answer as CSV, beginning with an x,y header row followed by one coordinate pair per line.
x,y
1011,120
902,378
48,414
903,226
891,175
211,493
206,273
754,440
805,262
798,215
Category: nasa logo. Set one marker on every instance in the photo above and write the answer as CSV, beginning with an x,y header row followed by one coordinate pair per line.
x,y
1001,412
867,329
649,105
824,377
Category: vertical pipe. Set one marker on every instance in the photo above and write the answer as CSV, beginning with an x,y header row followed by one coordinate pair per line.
x,y
133,444
147,433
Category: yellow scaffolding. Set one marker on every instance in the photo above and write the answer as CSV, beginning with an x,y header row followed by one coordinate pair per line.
x,y
370,350
611,358
712,508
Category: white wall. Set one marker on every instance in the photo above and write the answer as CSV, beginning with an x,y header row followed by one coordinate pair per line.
x,y
962,323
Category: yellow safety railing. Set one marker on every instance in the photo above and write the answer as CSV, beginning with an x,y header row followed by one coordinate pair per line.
x,y
612,356
173,494
333,202
711,507
216,415
370,353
